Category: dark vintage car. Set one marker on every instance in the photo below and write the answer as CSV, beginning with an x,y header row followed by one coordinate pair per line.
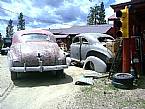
x,y
35,50
5,46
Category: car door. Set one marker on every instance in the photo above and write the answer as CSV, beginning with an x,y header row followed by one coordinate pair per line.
x,y
84,47
75,48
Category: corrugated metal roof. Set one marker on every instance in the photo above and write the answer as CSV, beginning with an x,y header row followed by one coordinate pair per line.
x,y
83,29
122,5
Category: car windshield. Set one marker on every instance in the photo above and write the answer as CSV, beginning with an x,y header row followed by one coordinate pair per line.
x,y
35,37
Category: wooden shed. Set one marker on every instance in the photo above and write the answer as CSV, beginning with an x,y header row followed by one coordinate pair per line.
x,y
135,44
65,35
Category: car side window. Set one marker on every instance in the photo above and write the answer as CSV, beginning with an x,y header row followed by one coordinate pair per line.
x,y
76,40
84,40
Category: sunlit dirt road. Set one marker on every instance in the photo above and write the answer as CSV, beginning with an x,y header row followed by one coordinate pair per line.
x,y
42,91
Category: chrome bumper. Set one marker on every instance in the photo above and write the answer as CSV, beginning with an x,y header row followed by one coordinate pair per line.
x,y
39,68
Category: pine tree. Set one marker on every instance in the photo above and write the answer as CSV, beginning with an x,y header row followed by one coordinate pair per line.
x,y
9,29
102,15
1,41
21,22
92,18
96,15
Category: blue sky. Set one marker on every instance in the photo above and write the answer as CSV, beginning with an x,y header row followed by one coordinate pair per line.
x,y
50,13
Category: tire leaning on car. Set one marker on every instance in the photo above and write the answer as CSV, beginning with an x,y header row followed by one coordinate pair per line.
x,y
123,80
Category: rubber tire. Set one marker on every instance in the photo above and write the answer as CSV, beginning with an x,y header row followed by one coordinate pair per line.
x,y
13,76
123,80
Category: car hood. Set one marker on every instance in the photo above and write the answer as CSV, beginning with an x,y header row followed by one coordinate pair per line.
x,y
48,51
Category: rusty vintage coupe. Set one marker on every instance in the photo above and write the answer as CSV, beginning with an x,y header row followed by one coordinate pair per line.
x,y
35,50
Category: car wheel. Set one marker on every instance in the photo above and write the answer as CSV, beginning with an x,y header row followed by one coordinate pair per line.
x,y
13,76
60,73
123,80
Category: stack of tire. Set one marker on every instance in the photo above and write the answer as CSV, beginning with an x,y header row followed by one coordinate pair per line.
x,y
123,80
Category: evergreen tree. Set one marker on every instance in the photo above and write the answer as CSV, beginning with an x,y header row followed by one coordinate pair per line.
x,y
21,22
102,15
0,37
96,15
92,18
9,29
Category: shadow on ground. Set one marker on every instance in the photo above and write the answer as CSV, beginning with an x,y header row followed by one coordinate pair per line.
x,y
141,82
40,79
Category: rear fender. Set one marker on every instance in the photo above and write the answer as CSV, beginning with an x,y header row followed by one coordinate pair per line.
x,y
99,65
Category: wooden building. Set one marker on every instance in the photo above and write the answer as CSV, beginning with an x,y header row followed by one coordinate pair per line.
x,y
135,44
65,35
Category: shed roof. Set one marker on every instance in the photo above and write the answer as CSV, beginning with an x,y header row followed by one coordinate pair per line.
x,y
60,36
122,5
83,29
111,18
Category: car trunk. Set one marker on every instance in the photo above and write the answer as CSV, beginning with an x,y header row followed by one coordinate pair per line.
x,y
47,51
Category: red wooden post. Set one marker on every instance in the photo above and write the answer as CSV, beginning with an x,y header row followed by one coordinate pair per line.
x,y
126,55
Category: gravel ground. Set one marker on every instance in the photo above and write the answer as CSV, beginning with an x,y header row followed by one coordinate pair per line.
x,y
45,92
42,91
5,81
102,95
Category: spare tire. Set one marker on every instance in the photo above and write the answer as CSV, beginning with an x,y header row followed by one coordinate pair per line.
x,y
123,80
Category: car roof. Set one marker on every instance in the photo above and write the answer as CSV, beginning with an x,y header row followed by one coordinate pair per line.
x,y
21,32
94,36
29,31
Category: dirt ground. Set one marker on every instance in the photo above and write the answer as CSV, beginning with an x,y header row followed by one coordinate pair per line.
x,y
45,91
36,91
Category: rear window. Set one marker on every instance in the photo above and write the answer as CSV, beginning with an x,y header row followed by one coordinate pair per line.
x,y
105,39
35,37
